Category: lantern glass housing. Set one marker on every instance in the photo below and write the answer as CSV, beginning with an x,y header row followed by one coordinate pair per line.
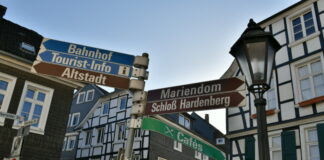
x,y
254,52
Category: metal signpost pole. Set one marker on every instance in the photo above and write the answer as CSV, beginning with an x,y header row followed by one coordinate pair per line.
x,y
139,100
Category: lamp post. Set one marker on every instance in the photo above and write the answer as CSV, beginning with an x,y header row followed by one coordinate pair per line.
x,y
255,52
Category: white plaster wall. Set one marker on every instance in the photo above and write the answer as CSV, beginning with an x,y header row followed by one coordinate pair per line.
x,y
85,152
97,150
95,121
120,115
235,123
304,111
287,111
247,120
278,26
282,55
281,38
286,92
103,120
313,44
233,110
234,148
320,107
117,146
272,118
283,74
146,142
320,5
297,51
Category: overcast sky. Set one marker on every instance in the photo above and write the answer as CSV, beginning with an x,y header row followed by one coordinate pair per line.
x,y
187,40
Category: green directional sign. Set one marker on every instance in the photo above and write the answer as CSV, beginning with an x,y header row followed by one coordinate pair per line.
x,y
162,128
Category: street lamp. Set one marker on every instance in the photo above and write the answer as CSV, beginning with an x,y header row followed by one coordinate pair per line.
x,y
255,52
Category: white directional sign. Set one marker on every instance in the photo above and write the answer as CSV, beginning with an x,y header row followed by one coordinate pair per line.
x,y
10,116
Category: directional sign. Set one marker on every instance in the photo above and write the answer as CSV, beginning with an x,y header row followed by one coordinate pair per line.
x,y
171,132
80,75
87,52
10,116
198,96
88,64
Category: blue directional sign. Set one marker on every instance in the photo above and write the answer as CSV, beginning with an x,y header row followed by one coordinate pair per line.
x,y
88,52
86,58
73,61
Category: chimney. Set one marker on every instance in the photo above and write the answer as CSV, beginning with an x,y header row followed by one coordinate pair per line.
x,y
2,11
207,118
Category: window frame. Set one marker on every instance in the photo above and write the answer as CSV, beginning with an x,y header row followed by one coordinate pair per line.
x,y
117,132
7,94
26,47
103,107
296,80
274,89
88,138
301,13
120,102
303,141
184,121
72,119
87,95
177,146
69,140
100,135
40,129
80,101
271,147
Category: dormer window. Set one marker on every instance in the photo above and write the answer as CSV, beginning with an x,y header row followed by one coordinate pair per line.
x,y
27,48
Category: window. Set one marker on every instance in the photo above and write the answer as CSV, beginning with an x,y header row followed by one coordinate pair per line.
x,y
7,84
75,119
88,137
303,25
271,95
177,146
81,97
64,144
312,144
90,95
123,102
205,157
197,155
200,156
309,78
275,147
34,104
105,108
137,133
120,131
184,121
71,143
101,133
27,47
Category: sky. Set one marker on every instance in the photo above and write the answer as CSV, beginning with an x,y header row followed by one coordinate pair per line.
x,y
188,41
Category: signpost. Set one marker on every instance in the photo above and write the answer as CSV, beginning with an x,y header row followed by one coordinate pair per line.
x,y
198,96
83,63
175,134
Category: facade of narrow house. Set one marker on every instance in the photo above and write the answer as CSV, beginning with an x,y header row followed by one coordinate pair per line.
x,y
295,107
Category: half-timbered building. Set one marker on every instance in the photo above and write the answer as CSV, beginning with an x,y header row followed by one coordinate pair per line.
x,y
295,107
103,133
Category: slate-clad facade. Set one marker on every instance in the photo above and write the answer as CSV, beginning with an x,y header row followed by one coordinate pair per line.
x,y
30,95
295,107
103,133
